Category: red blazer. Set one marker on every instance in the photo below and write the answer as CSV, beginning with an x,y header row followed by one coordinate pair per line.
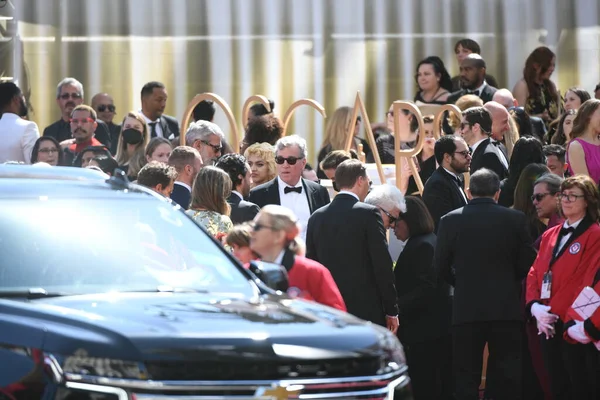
x,y
570,268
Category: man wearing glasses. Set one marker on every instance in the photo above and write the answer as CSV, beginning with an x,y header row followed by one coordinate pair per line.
x,y
69,94
207,138
545,199
106,110
83,123
289,189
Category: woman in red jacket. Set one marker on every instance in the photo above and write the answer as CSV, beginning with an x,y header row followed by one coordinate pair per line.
x,y
274,238
567,254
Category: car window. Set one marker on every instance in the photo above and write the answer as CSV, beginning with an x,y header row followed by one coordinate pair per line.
x,y
81,246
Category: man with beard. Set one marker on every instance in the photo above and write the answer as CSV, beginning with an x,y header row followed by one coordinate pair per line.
x,y
444,190
18,135
239,171
83,124
472,80
154,100
69,94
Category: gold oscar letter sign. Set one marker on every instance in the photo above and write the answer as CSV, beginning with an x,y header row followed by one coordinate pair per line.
x,y
302,102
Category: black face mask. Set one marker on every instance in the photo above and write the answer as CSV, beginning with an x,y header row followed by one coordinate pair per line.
x,y
132,136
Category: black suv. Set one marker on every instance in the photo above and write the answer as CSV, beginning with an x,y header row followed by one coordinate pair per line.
x,y
109,291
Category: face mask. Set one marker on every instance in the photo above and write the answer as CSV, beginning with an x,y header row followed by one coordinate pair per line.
x,y
132,136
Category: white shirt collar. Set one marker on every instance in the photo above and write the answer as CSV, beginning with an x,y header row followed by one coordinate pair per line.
x,y
480,88
185,185
474,147
350,193
451,173
574,226
279,258
282,184
238,194
148,120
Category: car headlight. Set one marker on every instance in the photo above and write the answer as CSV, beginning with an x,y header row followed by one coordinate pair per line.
x,y
393,357
81,364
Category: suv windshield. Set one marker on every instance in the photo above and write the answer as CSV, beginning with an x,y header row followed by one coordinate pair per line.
x,y
89,245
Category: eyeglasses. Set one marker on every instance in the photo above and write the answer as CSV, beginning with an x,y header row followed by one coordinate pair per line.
x,y
290,160
104,107
52,150
65,96
390,216
463,125
258,227
216,148
539,197
570,197
466,153
389,114
81,120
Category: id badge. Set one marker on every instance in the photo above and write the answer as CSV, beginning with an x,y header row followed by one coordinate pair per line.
x,y
546,286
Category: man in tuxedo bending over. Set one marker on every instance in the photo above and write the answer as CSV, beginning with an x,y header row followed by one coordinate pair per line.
x,y
238,170
187,162
486,275
476,129
443,191
289,189
154,100
348,237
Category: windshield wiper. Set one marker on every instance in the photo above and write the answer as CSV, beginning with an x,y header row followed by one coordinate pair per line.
x,y
30,294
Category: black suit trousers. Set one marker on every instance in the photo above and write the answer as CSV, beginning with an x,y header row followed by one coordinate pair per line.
x,y
430,368
572,368
504,339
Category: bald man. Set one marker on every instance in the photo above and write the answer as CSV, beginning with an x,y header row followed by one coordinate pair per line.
x,y
500,127
506,98
105,108
472,79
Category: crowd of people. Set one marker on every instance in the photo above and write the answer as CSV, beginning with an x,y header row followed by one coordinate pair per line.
x,y
506,262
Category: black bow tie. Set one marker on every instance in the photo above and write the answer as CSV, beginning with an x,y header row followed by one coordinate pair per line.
x,y
565,231
496,143
475,92
289,189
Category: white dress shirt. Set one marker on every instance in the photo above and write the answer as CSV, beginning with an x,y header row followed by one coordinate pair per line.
x,y
565,238
238,194
297,202
474,147
460,189
17,137
350,193
185,185
503,159
158,128
480,88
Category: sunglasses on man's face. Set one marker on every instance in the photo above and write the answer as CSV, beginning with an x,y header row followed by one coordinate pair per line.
x,y
65,96
290,160
104,107
215,147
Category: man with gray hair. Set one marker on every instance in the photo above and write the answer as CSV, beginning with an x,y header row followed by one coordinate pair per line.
x,y
486,275
289,189
546,190
390,202
206,137
69,94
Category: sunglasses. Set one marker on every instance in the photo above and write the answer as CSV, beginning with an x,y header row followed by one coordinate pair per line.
x,y
65,96
539,197
216,148
390,216
258,227
104,107
290,160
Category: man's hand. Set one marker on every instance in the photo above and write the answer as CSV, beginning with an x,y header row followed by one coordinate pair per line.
x,y
66,143
392,323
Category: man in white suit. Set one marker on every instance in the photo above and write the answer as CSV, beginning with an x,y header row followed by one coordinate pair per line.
x,y
17,136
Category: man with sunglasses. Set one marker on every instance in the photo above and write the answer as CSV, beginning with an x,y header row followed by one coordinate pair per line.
x,y
545,199
69,94
289,189
106,110
206,137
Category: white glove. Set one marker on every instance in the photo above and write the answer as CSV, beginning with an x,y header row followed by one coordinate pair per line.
x,y
577,332
545,320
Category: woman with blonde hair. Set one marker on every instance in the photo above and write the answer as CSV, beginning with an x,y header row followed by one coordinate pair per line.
x,y
274,239
209,206
131,147
336,136
583,151
261,159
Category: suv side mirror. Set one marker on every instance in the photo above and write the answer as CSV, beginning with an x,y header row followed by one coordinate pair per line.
x,y
274,276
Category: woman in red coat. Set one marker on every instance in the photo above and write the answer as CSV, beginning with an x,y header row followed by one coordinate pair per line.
x,y
567,254
274,238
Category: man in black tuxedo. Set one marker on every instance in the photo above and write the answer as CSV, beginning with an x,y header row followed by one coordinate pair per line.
x,y
443,191
476,129
154,100
508,101
187,162
500,127
207,138
472,80
484,250
239,171
289,189
69,94
105,108
348,237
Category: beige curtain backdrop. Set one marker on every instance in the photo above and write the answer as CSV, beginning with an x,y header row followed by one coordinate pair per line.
x,y
286,50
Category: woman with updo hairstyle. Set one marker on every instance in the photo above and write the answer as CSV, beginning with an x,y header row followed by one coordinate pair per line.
x,y
274,239
567,261
261,159
583,151
536,92
433,80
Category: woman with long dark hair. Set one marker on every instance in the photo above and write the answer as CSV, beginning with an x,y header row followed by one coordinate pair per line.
x,y
583,151
47,149
433,80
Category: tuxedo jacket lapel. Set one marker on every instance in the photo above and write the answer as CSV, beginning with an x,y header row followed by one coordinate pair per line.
x,y
274,193
309,195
